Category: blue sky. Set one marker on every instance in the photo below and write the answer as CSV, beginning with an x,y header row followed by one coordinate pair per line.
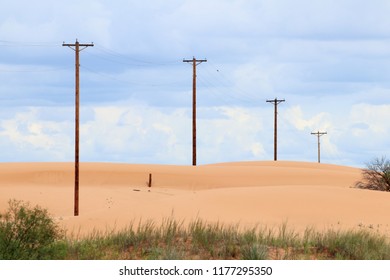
x,y
330,61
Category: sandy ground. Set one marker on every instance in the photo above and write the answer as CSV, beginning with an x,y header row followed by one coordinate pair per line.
x,y
245,193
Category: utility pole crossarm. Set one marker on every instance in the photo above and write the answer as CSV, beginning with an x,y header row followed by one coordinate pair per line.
x,y
276,101
319,134
194,62
197,61
80,45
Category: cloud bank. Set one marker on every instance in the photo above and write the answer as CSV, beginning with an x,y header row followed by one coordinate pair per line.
x,y
328,59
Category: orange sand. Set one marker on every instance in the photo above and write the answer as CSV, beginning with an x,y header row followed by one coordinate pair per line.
x,y
249,193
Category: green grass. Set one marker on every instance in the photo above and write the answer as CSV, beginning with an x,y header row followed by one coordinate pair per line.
x,y
201,240
172,240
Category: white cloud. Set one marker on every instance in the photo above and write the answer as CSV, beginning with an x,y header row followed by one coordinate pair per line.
x,y
134,133
233,136
294,115
374,116
139,133
257,149
33,138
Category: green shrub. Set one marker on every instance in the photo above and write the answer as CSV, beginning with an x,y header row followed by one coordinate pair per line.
x,y
27,233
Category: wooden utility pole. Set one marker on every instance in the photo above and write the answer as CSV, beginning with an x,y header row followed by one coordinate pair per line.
x,y
319,134
276,102
194,62
76,47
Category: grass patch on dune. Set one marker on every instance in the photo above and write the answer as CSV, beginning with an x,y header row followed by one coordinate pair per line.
x,y
30,233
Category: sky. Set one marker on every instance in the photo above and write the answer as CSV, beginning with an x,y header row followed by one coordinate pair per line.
x,y
329,60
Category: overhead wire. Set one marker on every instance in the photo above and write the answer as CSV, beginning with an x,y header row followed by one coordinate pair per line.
x,y
109,59
117,58
214,79
6,43
230,92
131,60
221,77
103,74
217,91
133,83
19,68
37,70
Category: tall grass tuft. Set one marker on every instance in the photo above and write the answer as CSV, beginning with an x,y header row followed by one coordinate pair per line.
x,y
254,251
353,245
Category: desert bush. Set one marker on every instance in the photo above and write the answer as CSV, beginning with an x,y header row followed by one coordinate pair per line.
x,y
27,232
376,175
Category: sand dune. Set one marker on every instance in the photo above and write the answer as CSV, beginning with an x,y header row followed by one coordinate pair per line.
x,y
249,193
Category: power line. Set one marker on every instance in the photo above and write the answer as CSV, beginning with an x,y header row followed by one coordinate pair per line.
x,y
194,62
76,47
107,76
222,77
138,83
34,70
233,92
131,60
5,43
224,92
